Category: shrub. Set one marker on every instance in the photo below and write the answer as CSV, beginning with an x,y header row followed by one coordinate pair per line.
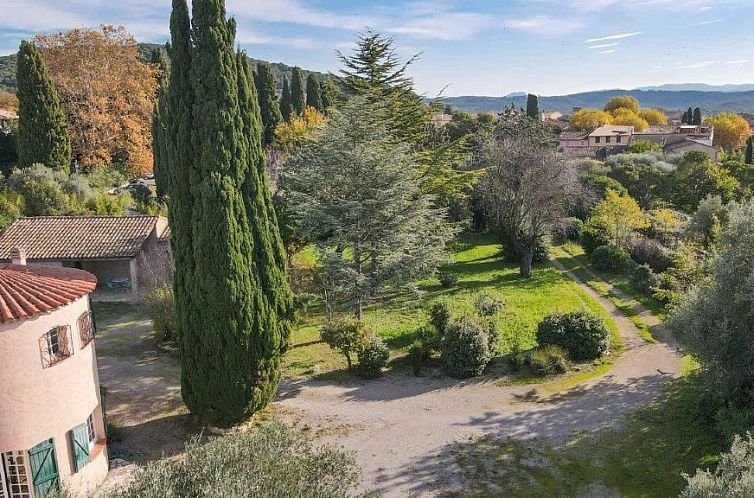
x,y
159,305
643,278
584,335
465,348
731,420
493,336
651,252
439,316
570,230
591,239
447,279
610,258
430,337
346,337
417,354
487,305
271,461
733,477
373,358
549,360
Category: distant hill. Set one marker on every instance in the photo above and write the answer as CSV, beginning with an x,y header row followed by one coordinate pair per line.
x,y
708,101
8,67
700,87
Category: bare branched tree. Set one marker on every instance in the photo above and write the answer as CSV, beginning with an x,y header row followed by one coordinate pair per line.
x,y
527,190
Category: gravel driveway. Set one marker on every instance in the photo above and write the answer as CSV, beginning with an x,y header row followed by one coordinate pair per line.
x,y
401,429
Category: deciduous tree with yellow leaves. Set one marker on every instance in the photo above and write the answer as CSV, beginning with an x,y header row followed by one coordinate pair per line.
x,y
731,130
107,93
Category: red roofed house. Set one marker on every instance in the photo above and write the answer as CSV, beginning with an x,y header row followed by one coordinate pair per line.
x,y
127,254
52,433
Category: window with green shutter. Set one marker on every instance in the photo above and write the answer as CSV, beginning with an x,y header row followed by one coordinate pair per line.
x,y
80,445
44,468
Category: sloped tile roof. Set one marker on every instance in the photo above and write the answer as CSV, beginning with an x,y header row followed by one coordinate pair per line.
x,y
27,291
77,237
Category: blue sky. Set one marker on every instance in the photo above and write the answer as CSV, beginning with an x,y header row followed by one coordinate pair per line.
x,y
473,47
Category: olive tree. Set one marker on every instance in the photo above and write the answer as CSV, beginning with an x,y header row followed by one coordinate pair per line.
x,y
733,478
715,319
527,189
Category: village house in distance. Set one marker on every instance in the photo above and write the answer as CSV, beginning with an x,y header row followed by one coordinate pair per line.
x,y
52,434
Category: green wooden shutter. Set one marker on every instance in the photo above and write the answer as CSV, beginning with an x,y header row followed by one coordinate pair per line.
x,y
80,445
44,468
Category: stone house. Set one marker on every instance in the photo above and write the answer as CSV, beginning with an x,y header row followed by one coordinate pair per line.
x,y
127,254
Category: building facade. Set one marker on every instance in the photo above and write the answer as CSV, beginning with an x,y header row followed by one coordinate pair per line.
x,y
52,431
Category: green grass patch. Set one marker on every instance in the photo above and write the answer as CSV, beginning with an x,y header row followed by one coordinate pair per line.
x,y
644,458
479,267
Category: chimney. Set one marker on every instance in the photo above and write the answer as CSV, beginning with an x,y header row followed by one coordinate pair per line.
x,y
18,256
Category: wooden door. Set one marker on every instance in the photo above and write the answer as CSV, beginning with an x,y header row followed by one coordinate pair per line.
x,y
44,468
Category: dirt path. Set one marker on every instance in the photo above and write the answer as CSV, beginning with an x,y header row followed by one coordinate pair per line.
x,y
402,429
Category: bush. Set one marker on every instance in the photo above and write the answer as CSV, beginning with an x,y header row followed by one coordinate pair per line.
x,y
439,316
417,354
271,461
591,239
159,305
429,336
346,337
584,335
549,360
373,358
570,231
646,251
447,279
610,258
731,420
643,278
465,348
487,305
733,477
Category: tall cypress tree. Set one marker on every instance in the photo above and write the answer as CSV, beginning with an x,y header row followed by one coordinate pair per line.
x,y
690,116
269,105
298,97
697,117
749,155
158,125
42,128
329,92
314,93
532,106
178,169
286,103
232,297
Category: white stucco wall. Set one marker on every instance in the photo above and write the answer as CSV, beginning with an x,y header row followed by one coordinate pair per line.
x,y
41,403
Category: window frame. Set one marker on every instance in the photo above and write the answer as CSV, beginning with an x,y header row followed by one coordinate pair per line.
x,y
87,332
56,350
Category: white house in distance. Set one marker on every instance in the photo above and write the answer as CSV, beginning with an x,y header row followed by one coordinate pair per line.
x,y
52,433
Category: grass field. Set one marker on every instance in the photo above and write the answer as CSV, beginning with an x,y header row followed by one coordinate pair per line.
x,y
644,458
476,262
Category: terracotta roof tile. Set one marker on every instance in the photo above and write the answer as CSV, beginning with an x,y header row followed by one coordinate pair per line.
x,y
77,237
27,291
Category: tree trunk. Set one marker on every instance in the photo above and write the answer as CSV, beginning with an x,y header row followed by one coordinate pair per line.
x,y
359,294
526,257
348,361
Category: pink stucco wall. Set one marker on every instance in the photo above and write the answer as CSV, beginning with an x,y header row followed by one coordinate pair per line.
x,y
41,403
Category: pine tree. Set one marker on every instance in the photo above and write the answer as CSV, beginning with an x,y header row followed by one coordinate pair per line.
x,y
697,117
42,129
532,106
749,156
286,104
298,97
314,93
232,298
269,105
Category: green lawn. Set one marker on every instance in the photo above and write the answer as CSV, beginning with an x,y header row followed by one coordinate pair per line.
x,y
396,316
645,458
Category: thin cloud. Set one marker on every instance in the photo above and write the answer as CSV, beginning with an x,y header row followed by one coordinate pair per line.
x,y
697,65
738,61
619,36
604,45
445,26
606,51
704,23
544,25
